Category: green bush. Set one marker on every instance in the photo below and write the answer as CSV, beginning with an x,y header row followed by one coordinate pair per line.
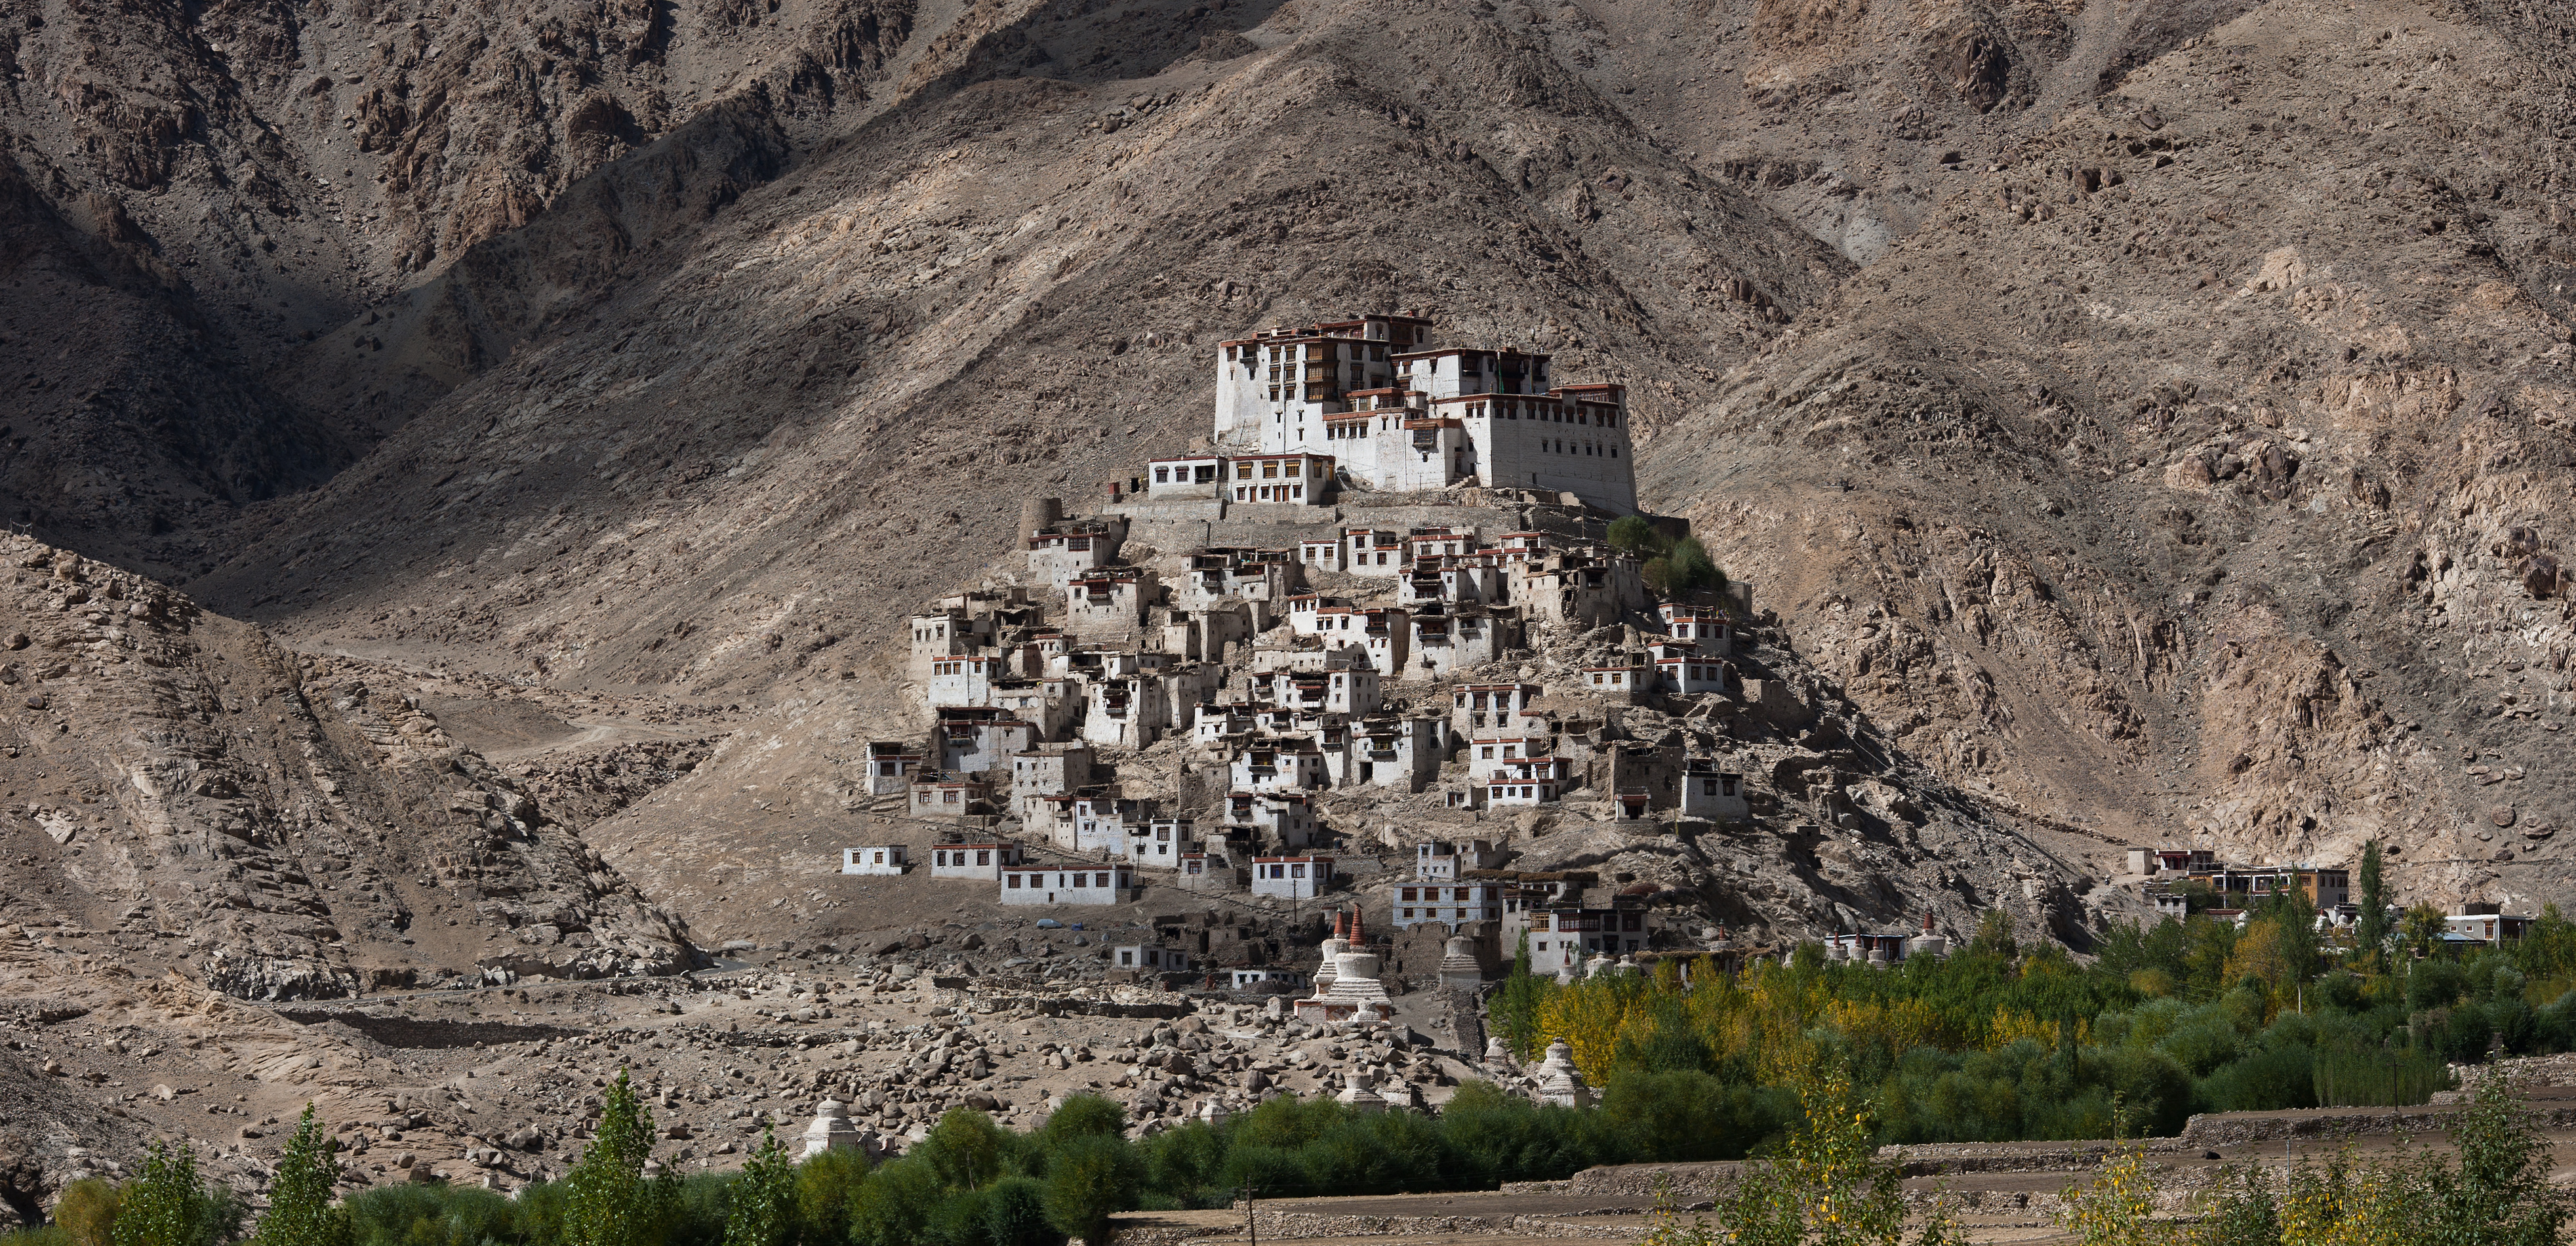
x,y
1186,1162
87,1211
1089,1179
1015,1214
823,1188
1688,1115
893,1206
408,1214
1636,537
2355,1077
958,1220
1081,1116
965,1148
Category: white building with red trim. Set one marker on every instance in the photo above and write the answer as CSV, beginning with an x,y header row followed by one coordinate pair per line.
x,y
1090,884
1707,628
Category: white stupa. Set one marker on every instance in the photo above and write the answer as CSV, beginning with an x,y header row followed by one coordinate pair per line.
x,y
831,1130
1352,992
1358,1094
1559,1082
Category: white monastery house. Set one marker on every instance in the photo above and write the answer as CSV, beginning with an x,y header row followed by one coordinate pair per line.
x,y
1373,401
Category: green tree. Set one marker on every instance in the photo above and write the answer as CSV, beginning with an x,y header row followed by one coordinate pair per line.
x,y
168,1205
299,1197
824,1186
1015,1214
893,1206
1088,1180
2500,1194
612,1202
1827,1184
2370,933
2421,930
965,1148
1994,935
760,1205
1515,1007
1634,536
1692,569
1081,1116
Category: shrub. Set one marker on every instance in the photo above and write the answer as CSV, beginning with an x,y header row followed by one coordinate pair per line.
x,y
1088,1180
87,1211
404,1214
965,1148
824,1185
1185,1162
893,1206
2352,1077
1691,568
1015,1214
1634,536
957,1220
2266,1081
1268,1171
2434,984
1082,1116
1678,1116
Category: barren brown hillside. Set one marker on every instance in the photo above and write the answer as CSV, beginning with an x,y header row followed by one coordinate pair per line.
x,y
2128,405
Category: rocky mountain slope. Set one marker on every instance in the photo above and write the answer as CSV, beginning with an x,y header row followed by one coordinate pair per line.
x,y
2191,471
183,794
2115,401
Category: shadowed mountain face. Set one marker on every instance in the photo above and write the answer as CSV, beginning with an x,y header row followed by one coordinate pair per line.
x,y
2155,417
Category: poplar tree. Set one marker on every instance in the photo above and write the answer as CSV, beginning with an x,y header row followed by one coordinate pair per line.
x,y
299,1198
2370,934
760,1206
168,1205
612,1202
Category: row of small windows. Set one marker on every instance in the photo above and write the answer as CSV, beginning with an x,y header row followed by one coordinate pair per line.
x,y
1039,880
1432,894
1352,351
1540,411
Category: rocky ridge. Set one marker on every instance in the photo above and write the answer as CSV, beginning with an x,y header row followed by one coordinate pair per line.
x,y
187,795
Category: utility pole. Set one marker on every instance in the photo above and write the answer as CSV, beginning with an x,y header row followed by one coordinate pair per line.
x,y
1252,1234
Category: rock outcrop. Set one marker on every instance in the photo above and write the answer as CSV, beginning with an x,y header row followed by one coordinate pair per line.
x,y
187,795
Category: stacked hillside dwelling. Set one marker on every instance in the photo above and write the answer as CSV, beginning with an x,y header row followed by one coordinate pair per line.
x,y
1382,598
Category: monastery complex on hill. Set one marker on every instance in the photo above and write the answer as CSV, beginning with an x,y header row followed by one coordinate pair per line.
x,y
1348,648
